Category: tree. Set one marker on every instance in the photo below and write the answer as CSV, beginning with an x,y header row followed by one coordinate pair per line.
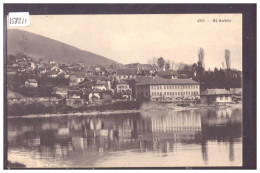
x,y
201,55
194,66
223,65
160,62
227,58
167,66
152,61
11,59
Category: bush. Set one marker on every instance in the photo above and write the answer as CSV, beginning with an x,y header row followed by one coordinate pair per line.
x,y
34,108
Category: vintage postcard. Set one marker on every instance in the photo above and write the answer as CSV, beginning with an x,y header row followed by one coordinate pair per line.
x,y
124,90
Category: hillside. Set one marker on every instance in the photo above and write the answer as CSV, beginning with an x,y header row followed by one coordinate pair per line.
x,y
37,46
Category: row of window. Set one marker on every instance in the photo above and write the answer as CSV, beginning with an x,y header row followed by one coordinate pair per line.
x,y
122,86
188,93
127,76
174,87
222,97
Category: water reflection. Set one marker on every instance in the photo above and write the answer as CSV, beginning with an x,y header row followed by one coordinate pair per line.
x,y
95,141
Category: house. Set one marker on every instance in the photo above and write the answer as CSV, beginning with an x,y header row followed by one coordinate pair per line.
x,y
104,72
31,83
105,80
216,96
187,74
111,73
101,85
159,89
138,66
74,98
122,86
62,92
51,61
168,74
126,73
31,64
95,95
75,94
90,72
76,78
124,89
14,97
41,69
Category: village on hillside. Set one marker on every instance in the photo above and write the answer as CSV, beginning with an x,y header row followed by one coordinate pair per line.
x,y
35,86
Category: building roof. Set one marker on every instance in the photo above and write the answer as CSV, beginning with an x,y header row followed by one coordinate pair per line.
x,y
79,75
138,65
75,92
100,82
216,92
96,90
128,71
122,82
167,73
94,78
161,81
133,65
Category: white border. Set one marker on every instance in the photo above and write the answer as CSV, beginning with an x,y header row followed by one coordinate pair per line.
x,y
117,1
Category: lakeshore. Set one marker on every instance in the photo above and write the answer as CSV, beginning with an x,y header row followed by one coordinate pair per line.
x,y
142,109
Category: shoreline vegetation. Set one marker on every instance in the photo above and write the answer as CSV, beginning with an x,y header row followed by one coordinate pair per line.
x,y
107,109
15,165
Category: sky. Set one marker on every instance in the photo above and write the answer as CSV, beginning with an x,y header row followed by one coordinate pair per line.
x,y
138,38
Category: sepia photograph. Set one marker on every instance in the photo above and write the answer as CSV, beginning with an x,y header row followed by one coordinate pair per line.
x,y
124,90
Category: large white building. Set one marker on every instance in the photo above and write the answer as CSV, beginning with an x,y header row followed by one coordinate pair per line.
x,y
167,89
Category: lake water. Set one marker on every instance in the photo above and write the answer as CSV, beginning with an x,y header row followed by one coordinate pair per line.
x,y
187,138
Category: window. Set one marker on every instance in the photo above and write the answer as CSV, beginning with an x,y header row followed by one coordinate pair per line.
x,y
221,98
226,97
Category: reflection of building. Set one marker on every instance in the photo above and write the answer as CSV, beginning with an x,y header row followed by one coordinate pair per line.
x,y
177,123
164,129
222,116
86,137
